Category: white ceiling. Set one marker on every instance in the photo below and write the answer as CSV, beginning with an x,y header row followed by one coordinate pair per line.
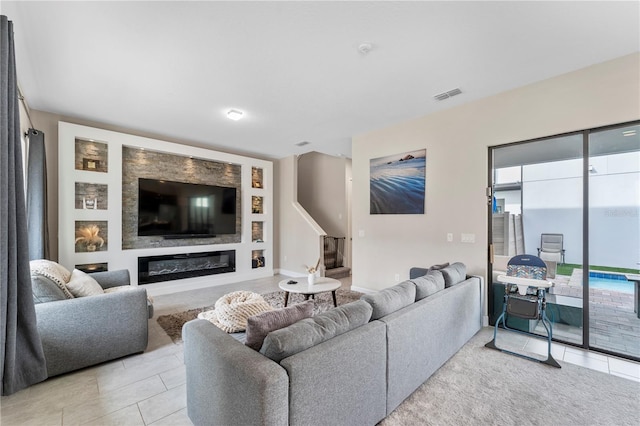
x,y
174,68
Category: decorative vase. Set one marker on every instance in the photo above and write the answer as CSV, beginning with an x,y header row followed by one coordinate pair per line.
x,y
91,247
312,279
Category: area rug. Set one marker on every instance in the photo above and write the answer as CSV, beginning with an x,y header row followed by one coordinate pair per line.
x,y
481,386
172,323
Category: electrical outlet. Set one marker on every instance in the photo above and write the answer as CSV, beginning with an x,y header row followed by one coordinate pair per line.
x,y
397,277
361,233
450,237
468,238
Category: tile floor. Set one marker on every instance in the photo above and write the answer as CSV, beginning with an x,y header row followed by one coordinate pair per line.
x,y
149,388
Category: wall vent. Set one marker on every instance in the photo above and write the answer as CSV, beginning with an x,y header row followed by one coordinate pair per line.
x,y
446,95
303,143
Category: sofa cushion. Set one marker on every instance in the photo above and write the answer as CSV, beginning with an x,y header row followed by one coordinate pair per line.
x,y
391,299
428,284
258,326
309,332
53,271
82,284
454,274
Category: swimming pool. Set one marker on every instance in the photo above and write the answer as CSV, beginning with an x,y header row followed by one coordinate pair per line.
x,y
610,282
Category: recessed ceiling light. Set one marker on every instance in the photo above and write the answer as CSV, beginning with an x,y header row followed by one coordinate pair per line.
x,y
629,133
234,114
303,143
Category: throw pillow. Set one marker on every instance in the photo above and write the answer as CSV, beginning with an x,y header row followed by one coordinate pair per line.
x,y
258,326
45,290
232,310
391,299
437,267
454,274
82,284
304,334
428,284
54,271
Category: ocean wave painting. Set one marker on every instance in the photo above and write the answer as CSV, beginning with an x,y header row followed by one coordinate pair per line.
x,y
397,183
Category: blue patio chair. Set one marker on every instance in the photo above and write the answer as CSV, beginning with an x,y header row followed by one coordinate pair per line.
x,y
525,297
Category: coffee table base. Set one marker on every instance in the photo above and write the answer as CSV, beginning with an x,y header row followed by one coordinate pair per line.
x,y
306,297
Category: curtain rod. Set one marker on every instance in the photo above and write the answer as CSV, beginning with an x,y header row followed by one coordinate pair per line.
x,y
26,107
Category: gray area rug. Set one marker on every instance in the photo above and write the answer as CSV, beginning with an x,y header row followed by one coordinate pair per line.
x,y
172,323
481,386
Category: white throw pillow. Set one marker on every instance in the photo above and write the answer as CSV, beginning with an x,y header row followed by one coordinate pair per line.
x,y
82,284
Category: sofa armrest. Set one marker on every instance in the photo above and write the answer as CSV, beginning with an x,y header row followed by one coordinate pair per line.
x,y
84,331
229,383
108,279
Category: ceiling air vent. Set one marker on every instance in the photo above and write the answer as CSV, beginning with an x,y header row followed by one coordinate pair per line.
x,y
445,95
303,143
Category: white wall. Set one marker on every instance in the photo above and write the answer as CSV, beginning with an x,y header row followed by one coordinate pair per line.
x,y
322,191
457,142
300,236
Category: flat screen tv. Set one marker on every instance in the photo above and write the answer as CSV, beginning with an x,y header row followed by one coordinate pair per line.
x,y
185,210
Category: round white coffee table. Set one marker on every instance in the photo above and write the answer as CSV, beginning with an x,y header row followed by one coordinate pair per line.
x,y
322,284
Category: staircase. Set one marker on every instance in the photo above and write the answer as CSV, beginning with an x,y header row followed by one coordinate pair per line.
x,y
333,258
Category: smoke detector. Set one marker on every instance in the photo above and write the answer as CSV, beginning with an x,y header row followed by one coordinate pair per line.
x,y
365,47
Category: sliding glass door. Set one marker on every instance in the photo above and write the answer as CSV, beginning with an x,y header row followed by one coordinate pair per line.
x,y
614,239
573,200
537,188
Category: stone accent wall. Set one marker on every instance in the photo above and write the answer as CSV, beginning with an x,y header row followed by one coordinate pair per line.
x,y
139,163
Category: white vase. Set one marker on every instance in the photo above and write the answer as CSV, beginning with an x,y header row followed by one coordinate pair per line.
x,y
312,279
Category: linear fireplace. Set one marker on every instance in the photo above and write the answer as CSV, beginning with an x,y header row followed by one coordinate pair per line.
x,y
153,269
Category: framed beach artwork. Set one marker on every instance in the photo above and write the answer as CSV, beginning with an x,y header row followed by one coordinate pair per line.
x,y
397,183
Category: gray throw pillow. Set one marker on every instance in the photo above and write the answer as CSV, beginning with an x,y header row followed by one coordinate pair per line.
x,y
438,267
258,326
45,290
391,299
454,274
428,284
304,334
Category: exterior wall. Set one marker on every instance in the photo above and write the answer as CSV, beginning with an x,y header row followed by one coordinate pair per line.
x,y
386,246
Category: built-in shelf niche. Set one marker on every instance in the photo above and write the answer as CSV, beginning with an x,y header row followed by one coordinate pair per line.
x,y
257,259
257,204
91,196
91,156
91,236
93,267
257,232
256,178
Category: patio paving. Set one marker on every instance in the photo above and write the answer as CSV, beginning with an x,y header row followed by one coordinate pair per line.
x,y
613,324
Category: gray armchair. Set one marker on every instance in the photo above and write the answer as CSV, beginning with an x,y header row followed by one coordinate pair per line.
x,y
85,331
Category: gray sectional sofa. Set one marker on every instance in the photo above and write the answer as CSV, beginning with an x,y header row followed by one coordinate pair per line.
x,y
351,365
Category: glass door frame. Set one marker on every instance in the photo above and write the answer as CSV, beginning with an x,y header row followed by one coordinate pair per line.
x,y
585,229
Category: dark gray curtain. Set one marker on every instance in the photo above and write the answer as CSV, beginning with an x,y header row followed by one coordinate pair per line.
x,y
37,197
22,360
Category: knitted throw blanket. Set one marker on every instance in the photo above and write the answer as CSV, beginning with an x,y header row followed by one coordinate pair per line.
x,y
233,309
